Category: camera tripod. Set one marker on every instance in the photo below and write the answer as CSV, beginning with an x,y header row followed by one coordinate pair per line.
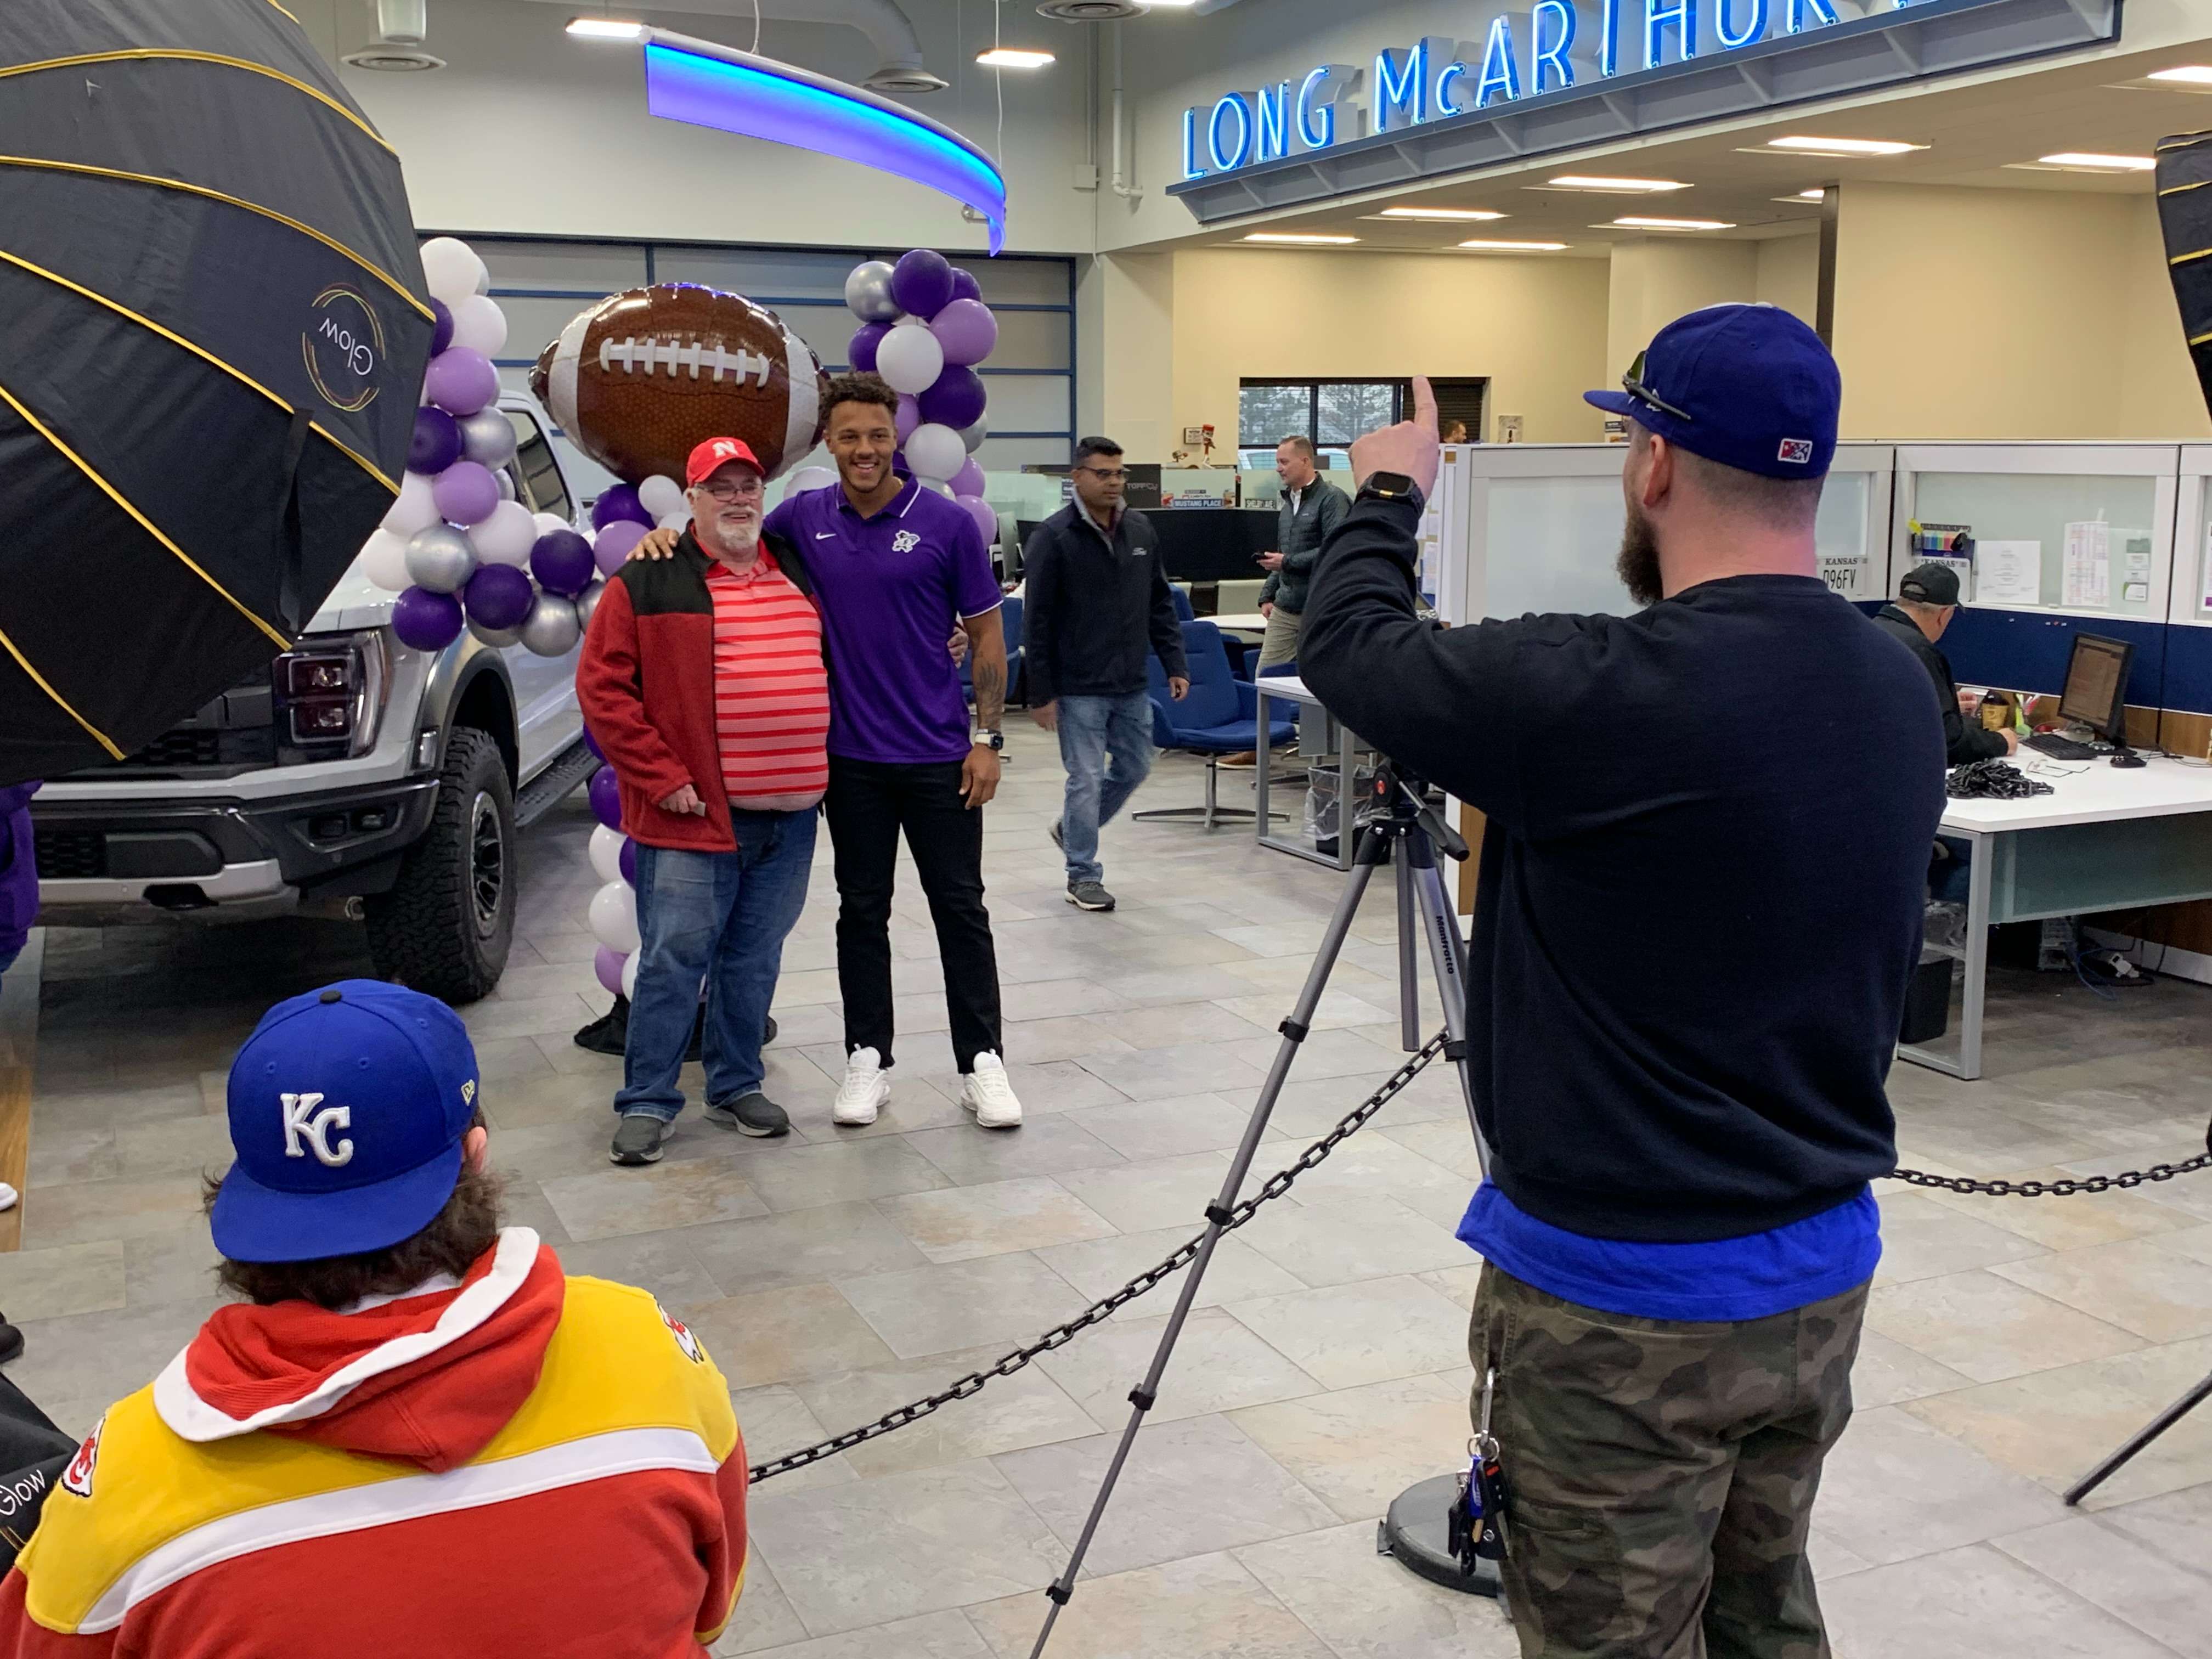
x,y
1403,831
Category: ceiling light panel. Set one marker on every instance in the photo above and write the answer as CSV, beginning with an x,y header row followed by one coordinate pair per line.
x,y
1301,239
1610,186
1442,215
1636,221
1483,245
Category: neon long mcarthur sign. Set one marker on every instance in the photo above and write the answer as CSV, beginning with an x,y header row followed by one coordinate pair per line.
x,y
1559,73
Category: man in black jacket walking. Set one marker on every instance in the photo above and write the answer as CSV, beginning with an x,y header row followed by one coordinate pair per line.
x,y
1690,954
1095,601
1926,601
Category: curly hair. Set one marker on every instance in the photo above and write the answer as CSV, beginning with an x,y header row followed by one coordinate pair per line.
x,y
861,389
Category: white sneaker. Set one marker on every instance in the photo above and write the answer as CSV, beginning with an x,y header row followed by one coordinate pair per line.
x,y
864,1092
986,1092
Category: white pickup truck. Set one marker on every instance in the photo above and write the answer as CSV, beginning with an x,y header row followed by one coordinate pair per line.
x,y
353,777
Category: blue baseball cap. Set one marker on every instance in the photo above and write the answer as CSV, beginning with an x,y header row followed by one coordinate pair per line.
x,y
347,1109
1747,385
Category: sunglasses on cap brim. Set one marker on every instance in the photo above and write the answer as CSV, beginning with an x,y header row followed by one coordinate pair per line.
x,y
1632,384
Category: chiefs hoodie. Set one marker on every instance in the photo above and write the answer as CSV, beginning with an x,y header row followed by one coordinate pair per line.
x,y
516,1464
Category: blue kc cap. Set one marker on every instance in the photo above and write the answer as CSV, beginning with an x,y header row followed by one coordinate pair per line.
x,y
347,1109
1747,385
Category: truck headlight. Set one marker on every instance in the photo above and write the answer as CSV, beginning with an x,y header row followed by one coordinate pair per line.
x,y
329,696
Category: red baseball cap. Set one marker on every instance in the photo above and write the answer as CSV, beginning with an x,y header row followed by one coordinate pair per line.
x,y
719,451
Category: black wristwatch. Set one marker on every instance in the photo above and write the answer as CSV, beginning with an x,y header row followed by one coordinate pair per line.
x,y
1393,486
984,734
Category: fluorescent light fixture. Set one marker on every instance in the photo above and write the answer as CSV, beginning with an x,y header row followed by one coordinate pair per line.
x,y
709,85
2089,161
1013,57
1299,238
1615,186
1799,144
2188,75
1812,196
1634,222
605,28
1449,216
1480,244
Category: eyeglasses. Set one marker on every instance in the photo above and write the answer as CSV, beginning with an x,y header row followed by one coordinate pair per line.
x,y
722,489
1114,476
1632,384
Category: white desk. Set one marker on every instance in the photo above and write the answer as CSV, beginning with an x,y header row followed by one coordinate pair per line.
x,y
1240,621
2104,839
1288,688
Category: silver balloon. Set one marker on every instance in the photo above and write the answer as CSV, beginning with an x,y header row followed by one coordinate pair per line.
x,y
506,484
973,436
498,638
441,558
486,438
587,602
868,292
551,629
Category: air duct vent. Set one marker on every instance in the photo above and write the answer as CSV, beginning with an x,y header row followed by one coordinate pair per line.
x,y
390,59
1090,11
904,80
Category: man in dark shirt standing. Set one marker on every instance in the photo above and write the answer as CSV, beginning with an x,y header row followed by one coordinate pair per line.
x,y
1690,954
1927,599
1096,599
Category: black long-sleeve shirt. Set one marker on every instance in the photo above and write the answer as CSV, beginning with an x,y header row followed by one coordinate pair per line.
x,y
1696,919
1094,606
1961,742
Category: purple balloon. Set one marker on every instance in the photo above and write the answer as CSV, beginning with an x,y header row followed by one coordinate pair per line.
x,y
921,281
969,480
464,493
619,502
907,417
626,860
967,331
611,547
956,400
441,327
964,285
436,444
987,521
593,743
426,621
498,596
606,798
607,964
561,561
461,382
860,350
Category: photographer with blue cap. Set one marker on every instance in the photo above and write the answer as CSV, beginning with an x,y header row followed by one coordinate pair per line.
x,y
1691,938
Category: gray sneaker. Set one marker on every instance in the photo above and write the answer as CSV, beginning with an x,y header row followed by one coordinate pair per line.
x,y
1089,895
1059,835
752,1115
637,1138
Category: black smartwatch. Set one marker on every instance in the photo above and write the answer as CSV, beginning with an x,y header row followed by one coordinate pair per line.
x,y
1393,486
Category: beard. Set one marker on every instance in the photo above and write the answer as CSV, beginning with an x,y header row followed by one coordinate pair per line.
x,y
730,539
1639,564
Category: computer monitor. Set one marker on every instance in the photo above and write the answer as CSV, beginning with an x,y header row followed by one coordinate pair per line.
x,y
1213,543
2096,691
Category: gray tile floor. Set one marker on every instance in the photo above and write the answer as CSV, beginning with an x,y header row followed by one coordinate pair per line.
x,y
838,1273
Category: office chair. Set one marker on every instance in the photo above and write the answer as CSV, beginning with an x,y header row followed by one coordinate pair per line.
x,y
1218,716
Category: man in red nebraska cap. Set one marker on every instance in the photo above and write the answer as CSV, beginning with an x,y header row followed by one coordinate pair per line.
x,y
702,678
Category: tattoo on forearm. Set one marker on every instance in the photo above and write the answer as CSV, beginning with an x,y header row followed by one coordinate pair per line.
x,y
990,690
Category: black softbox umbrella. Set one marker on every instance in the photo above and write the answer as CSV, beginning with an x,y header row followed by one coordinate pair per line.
x,y
2184,214
212,334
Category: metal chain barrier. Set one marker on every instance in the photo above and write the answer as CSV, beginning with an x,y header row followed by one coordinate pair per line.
x,y
2058,1189
1059,1335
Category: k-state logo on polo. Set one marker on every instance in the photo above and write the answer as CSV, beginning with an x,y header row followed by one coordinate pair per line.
x,y
302,1122
1798,451
905,542
77,1477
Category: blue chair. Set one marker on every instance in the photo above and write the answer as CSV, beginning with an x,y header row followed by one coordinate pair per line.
x,y
1219,716
1010,618
1182,597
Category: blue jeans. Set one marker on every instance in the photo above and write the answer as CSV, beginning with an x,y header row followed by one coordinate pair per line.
x,y
720,919
1094,731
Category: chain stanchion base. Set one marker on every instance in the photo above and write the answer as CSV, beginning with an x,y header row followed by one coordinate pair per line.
x,y
1415,1534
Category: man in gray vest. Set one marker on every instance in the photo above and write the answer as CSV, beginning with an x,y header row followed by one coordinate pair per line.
x,y
1312,506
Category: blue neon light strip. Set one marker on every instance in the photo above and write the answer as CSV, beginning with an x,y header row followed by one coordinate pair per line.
x,y
758,98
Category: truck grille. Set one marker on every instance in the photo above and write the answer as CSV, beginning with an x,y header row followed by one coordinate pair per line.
x,y
71,854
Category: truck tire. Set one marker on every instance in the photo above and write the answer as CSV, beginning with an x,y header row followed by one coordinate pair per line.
x,y
447,925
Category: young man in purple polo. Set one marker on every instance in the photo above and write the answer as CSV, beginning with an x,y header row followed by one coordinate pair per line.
x,y
896,566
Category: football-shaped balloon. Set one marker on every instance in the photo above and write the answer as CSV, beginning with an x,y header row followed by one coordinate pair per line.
x,y
646,374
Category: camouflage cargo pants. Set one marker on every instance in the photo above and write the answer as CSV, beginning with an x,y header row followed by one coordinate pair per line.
x,y
1661,1474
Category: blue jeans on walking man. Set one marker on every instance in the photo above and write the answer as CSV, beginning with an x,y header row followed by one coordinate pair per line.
x,y
1106,744
718,919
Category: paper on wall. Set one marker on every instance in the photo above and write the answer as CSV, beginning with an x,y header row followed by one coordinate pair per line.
x,y
2136,593
2007,572
2087,572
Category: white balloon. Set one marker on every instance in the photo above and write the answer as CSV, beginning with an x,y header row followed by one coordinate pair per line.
x,y
384,561
910,358
934,452
506,537
679,521
606,852
629,976
479,324
809,478
547,523
661,496
452,271
613,916
414,510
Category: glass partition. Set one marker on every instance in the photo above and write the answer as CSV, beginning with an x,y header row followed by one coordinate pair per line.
x,y
2192,541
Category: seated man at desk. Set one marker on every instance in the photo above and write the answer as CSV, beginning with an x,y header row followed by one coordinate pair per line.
x,y
1927,599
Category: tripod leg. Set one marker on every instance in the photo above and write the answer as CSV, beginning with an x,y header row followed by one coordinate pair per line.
x,y
1439,924
1410,1035
2158,1425
1374,847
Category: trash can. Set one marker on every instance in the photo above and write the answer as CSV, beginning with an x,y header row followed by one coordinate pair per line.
x,y
1927,1000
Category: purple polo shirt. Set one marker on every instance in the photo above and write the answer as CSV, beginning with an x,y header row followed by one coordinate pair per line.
x,y
890,589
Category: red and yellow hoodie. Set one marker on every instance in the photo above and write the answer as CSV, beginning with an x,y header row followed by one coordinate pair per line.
x,y
519,1464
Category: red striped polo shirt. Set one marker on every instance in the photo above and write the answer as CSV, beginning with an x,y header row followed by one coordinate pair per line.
x,y
771,689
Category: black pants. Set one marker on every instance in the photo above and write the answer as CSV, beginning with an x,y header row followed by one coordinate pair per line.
x,y
870,802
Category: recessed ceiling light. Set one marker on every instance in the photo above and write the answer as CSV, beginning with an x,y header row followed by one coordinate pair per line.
x,y
1449,216
1634,222
1482,246
2193,75
1308,239
1617,187
1013,57
605,28
2078,161
1799,144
